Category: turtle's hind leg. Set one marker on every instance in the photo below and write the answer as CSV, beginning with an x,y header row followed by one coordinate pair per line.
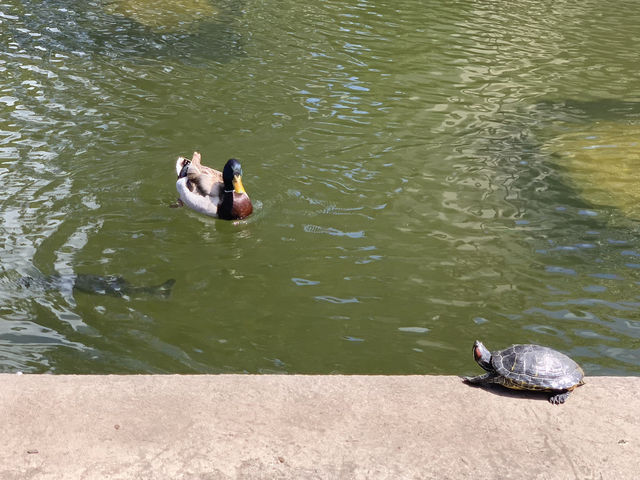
x,y
480,379
559,398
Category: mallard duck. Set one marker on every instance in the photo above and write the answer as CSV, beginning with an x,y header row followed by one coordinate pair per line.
x,y
211,192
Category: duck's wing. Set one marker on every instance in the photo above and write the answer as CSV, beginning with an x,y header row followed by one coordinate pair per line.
x,y
206,183
184,165
202,180
207,180
196,171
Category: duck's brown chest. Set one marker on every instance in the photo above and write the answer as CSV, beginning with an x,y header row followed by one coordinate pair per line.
x,y
235,206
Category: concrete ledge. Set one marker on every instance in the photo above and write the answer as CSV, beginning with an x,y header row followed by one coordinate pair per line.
x,y
312,427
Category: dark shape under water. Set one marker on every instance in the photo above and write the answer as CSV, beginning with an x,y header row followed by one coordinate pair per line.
x,y
119,287
111,285
196,30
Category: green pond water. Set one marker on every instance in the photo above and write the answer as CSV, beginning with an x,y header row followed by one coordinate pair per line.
x,y
422,176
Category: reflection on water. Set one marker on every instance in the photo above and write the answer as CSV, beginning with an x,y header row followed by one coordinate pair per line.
x,y
407,161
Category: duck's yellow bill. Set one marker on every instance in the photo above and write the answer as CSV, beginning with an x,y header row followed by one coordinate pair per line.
x,y
237,184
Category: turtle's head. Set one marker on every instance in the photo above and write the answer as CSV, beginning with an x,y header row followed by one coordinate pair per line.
x,y
482,356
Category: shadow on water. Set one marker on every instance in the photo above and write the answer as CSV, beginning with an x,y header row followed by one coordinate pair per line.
x,y
600,109
531,181
531,175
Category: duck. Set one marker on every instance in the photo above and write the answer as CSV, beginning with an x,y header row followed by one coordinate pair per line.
x,y
214,193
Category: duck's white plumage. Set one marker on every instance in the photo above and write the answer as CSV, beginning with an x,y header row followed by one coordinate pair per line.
x,y
206,204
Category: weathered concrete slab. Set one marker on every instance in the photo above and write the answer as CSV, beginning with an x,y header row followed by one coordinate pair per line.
x,y
312,427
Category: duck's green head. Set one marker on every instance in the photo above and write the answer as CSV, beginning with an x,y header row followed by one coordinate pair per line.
x,y
232,176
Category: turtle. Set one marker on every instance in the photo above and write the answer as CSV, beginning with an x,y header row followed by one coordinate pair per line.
x,y
528,367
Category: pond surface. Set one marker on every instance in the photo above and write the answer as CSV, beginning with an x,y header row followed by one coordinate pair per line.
x,y
408,166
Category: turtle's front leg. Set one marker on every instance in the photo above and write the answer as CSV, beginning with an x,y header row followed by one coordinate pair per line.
x,y
480,379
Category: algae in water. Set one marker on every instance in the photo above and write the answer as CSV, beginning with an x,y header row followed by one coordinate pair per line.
x,y
164,15
603,164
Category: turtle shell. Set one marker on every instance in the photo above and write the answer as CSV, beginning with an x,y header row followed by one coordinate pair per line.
x,y
533,367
